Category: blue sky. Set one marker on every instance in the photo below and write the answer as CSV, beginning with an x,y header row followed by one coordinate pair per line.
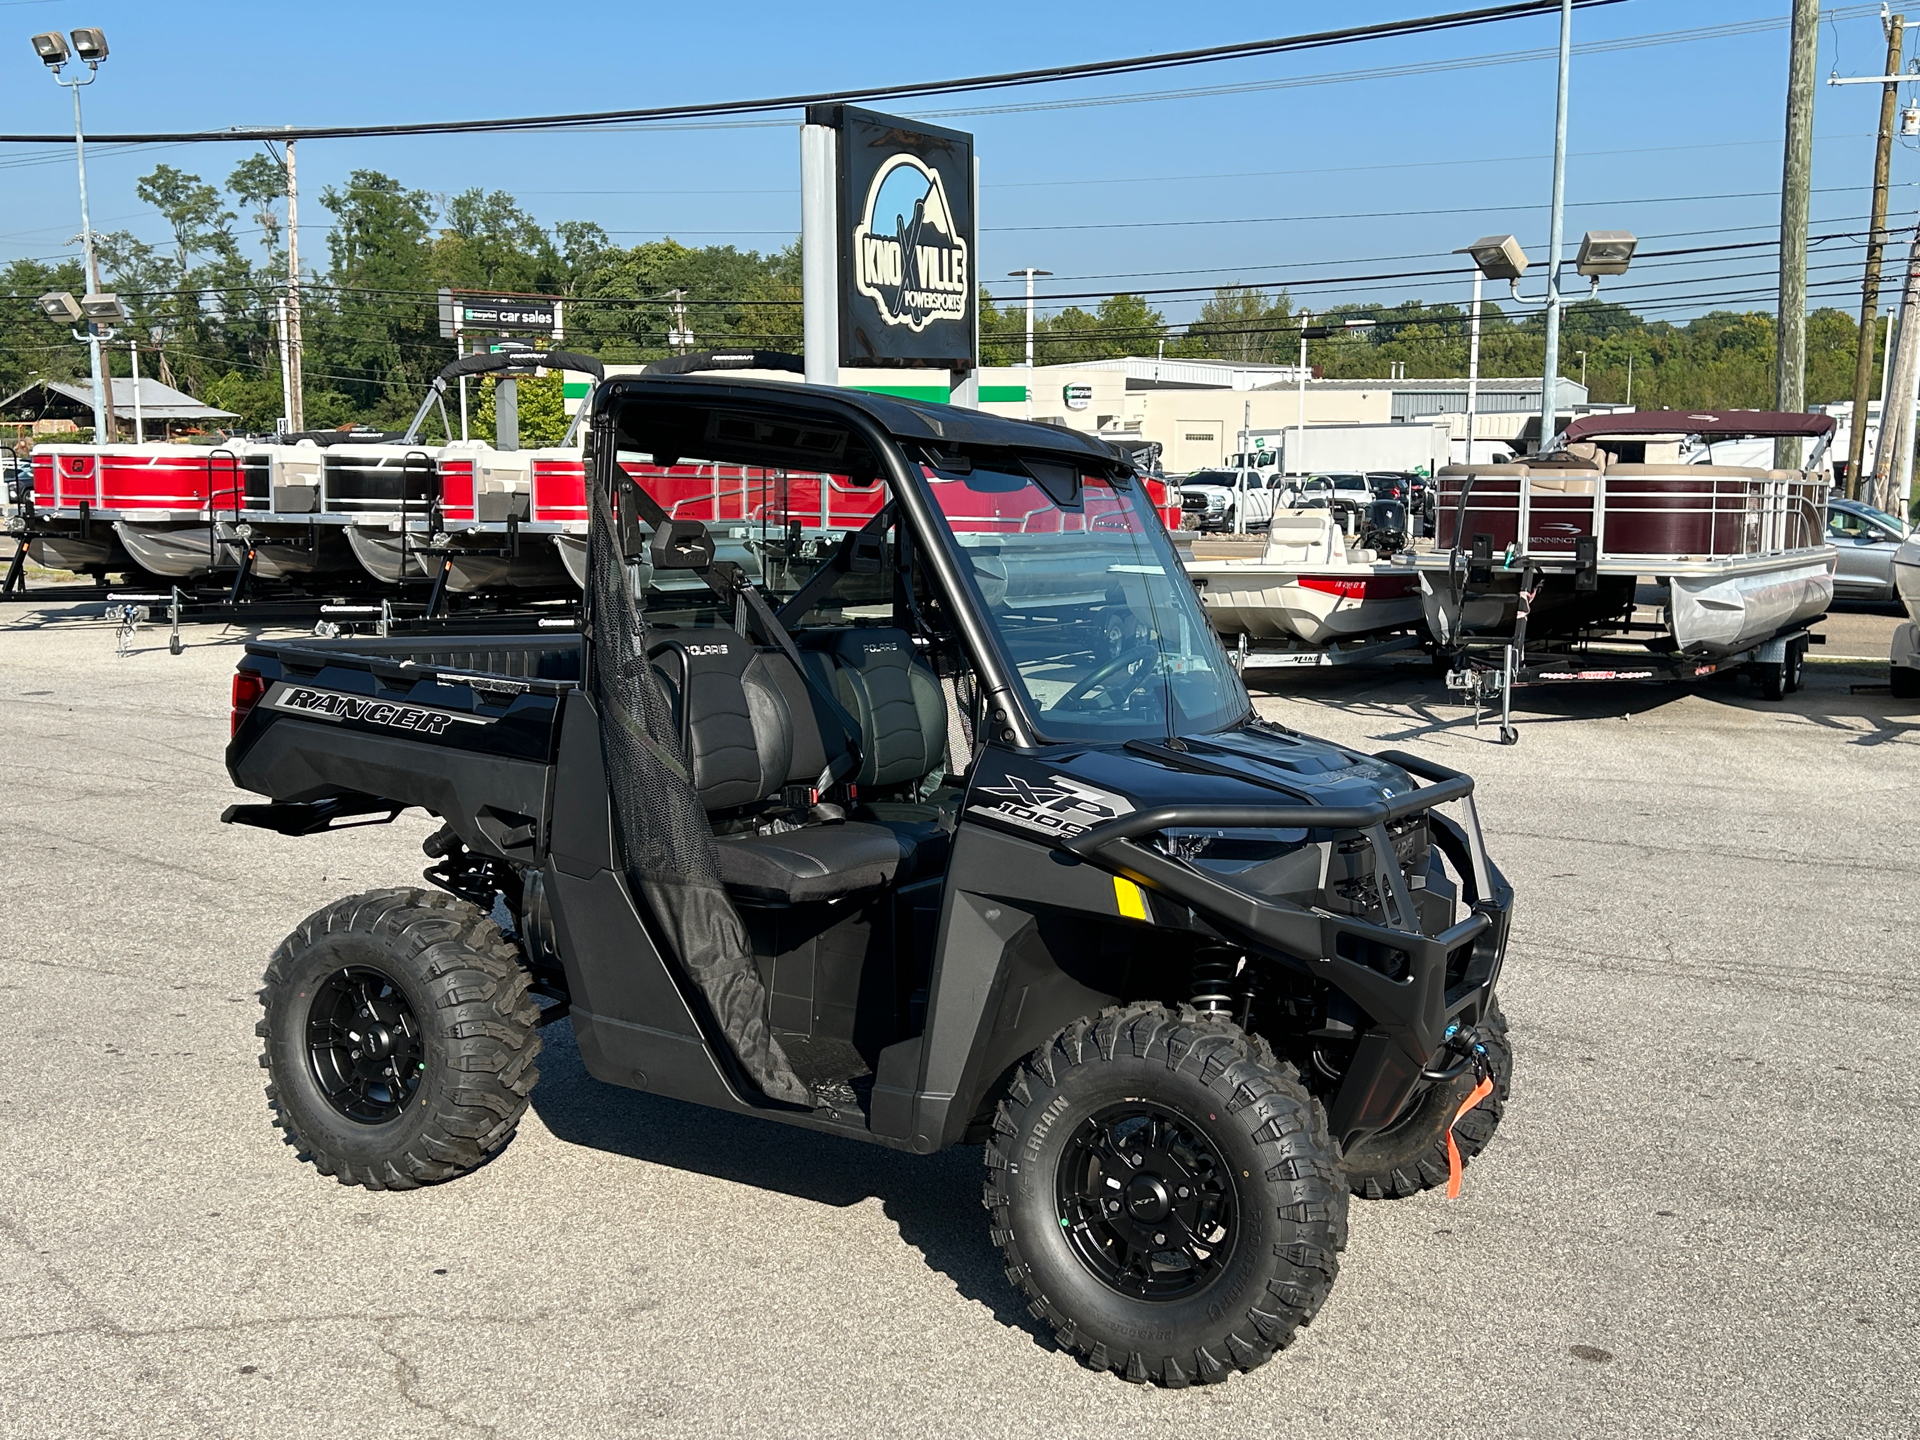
x,y
1151,193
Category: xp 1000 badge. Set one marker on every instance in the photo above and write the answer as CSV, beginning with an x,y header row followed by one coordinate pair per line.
x,y
1058,805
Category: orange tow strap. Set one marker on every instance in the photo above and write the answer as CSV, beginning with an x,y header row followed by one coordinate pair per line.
x,y
1480,1092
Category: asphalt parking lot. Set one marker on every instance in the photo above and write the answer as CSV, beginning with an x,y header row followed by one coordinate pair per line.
x,y
1697,1219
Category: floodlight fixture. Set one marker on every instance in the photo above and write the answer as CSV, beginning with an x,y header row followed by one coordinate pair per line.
x,y
1605,252
1316,332
51,48
60,305
1361,324
103,307
90,45
1498,257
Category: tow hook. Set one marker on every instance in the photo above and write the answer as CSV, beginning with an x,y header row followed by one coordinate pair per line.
x,y
1465,1042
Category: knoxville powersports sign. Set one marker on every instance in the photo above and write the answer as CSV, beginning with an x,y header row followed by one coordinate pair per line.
x,y
906,239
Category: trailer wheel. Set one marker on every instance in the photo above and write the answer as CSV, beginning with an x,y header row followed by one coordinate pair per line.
x,y
400,1039
1166,1195
1509,735
1772,675
1790,672
1904,682
1410,1155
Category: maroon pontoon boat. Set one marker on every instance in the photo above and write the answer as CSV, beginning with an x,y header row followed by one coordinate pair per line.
x,y
1699,567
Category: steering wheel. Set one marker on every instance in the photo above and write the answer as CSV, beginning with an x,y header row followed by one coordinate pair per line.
x,y
1075,698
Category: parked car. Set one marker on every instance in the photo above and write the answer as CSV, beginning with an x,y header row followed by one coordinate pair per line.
x,y
1865,539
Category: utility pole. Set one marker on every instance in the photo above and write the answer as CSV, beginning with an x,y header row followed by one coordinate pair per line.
x,y
1473,362
1550,376
1790,340
1896,411
296,389
1876,246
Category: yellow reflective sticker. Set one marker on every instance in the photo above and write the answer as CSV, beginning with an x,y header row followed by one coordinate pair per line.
x,y
1131,899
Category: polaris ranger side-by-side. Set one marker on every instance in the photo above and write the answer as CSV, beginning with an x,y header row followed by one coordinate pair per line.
x,y
958,828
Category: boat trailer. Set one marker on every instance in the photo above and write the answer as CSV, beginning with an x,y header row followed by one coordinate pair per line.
x,y
1486,675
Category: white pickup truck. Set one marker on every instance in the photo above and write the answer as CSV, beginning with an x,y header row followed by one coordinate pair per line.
x,y
1245,499
1228,499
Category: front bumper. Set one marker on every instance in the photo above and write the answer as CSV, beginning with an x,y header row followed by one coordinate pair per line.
x,y
1414,987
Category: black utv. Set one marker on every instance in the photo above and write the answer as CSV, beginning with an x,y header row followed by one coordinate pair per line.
x,y
939,818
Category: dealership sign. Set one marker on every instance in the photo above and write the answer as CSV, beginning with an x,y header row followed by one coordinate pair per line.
x,y
462,312
1078,397
906,240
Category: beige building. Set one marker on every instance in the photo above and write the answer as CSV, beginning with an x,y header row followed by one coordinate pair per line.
x,y
1195,410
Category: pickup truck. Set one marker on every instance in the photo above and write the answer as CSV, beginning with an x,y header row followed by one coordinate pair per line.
x,y
970,834
1228,499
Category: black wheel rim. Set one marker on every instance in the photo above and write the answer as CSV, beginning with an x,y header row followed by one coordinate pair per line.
x,y
363,1045
1146,1202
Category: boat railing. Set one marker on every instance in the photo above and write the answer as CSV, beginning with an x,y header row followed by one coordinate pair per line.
x,y
1686,513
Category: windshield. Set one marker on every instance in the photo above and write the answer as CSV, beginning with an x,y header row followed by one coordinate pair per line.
x,y
1089,605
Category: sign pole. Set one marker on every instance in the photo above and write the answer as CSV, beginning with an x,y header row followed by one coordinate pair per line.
x,y
460,350
820,253
506,411
964,387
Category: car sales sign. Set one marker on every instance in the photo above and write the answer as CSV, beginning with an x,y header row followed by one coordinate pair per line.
x,y
465,312
907,240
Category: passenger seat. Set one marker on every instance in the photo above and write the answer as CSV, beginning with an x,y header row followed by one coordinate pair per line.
x,y
735,709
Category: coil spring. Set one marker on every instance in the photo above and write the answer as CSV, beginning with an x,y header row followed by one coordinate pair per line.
x,y
1211,985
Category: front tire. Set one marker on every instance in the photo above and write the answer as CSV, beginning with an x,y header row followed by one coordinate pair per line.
x,y
400,1039
1410,1155
1166,1195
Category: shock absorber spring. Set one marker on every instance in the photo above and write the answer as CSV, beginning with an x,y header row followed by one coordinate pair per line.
x,y
1211,987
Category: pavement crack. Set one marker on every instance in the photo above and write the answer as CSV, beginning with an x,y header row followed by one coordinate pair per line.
x,y
407,1378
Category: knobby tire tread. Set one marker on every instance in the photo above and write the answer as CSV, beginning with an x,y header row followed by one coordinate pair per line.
x,y
472,990
1241,1071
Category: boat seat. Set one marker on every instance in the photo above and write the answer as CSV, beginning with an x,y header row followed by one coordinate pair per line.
x,y
746,742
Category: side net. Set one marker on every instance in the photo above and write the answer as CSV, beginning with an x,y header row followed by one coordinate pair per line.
x,y
665,842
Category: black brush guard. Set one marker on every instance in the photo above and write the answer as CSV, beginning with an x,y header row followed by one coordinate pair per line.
x,y
1415,1016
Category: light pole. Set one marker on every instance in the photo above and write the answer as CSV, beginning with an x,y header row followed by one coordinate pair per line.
x,y
1495,257
1030,273
91,46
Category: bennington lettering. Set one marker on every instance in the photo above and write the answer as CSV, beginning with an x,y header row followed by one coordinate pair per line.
x,y
331,705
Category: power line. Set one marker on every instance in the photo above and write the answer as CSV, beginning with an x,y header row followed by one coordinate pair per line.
x,y
1048,75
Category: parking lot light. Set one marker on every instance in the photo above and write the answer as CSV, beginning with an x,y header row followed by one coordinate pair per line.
x,y
1605,252
60,305
52,49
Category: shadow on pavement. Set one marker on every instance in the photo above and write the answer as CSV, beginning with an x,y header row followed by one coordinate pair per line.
x,y
1411,695
933,1199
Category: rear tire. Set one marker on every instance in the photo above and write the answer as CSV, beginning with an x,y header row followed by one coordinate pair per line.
x,y
400,1039
1410,1155
1172,1102
1772,677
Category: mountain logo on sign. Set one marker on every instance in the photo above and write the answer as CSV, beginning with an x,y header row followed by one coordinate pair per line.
x,y
908,256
